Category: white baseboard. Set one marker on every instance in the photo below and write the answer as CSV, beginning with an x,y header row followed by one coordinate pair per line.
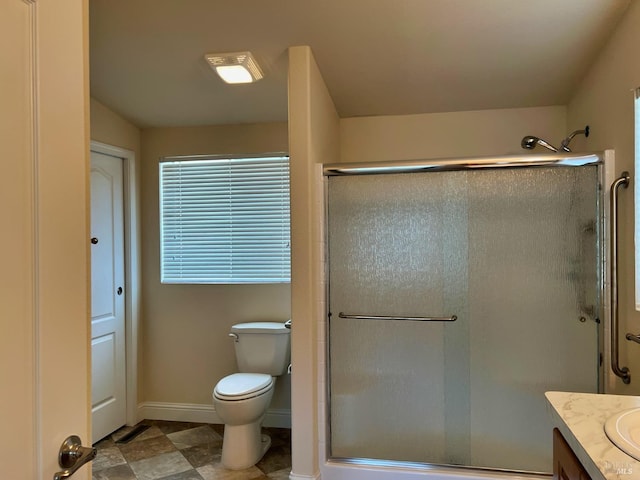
x,y
295,476
198,413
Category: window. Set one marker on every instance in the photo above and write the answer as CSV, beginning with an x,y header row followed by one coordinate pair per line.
x,y
224,220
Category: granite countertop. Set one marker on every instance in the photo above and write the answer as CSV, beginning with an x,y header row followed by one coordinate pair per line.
x,y
580,417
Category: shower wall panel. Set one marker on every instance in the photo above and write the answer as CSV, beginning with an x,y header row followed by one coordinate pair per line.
x,y
513,254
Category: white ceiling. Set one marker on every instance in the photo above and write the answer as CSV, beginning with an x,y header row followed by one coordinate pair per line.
x,y
378,57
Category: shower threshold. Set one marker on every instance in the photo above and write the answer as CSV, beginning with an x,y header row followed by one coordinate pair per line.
x,y
376,469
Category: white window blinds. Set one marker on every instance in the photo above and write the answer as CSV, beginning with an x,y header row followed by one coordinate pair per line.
x,y
225,220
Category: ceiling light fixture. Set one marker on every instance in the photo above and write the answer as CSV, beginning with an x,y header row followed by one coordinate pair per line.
x,y
237,67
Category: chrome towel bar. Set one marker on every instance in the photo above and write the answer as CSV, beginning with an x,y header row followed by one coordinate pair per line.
x,y
452,318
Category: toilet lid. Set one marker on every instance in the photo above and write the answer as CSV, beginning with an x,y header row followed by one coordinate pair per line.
x,y
240,386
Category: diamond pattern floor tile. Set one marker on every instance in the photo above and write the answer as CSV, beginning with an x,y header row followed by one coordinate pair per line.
x,y
184,451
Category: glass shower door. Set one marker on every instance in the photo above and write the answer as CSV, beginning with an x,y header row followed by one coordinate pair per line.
x,y
513,254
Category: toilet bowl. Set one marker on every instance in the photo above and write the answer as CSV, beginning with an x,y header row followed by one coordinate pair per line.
x,y
241,400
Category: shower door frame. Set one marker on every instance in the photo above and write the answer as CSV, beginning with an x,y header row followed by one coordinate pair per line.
x,y
375,469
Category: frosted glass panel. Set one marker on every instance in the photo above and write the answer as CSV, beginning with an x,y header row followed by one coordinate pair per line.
x,y
389,256
511,253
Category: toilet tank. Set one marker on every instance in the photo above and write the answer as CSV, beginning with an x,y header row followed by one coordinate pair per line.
x,y
262,347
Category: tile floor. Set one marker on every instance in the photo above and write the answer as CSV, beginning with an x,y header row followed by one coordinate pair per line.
x,y
184,451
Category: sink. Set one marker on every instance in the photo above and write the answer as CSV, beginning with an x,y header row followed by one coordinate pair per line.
x,y
623,429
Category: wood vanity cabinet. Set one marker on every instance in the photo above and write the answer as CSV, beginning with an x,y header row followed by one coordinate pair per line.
x,y
566,465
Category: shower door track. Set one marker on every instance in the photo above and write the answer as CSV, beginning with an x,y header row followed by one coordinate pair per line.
x,y
467,471
469,163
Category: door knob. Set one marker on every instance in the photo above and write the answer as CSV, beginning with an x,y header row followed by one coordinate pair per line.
x,y
119,291
72,456
94,240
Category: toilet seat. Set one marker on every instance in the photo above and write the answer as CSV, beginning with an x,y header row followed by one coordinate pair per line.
x,y
241,386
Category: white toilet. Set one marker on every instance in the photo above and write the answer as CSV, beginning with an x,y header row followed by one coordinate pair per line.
x,y
241,400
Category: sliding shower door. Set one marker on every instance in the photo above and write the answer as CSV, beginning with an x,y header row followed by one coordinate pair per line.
x,y
456,300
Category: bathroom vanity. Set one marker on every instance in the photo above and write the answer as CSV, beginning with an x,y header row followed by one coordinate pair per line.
x,y
581,448
566,465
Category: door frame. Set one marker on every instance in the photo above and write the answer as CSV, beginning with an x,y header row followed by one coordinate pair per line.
x,y
132,272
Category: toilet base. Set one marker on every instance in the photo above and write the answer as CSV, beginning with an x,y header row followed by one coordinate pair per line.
x,y
243,445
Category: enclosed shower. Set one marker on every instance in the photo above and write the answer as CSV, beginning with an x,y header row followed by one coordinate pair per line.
x,y
458,292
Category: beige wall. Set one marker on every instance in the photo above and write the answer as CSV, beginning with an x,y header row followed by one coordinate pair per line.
x,y
604,101
186,348
110,128
441,135
314,139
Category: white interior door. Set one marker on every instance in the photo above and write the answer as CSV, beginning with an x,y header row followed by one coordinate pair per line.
x,y
108,380
44,321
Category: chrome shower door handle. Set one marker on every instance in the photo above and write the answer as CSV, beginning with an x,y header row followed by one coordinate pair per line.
x,y
622,372
72,456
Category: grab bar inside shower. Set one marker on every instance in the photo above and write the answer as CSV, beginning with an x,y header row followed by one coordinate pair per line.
x,y
452,318
622,372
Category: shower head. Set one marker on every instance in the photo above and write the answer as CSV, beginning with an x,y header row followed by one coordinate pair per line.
x,y
529,143
564,145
